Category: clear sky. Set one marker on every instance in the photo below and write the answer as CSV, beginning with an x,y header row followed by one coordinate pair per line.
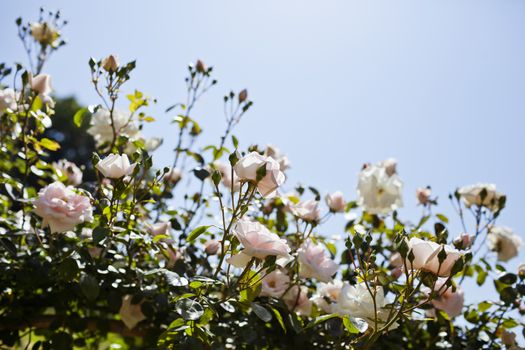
x,y
439,85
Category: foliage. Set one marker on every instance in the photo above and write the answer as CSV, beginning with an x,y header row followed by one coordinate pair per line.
x,y
221,259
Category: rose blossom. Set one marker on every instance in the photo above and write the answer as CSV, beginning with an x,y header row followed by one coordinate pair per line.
x,y
521,271
308,210
226,175
70,171
275,153
449,301
130,313
212,246
173,176
356,301
379,189
423,195
115,166
110,63
504,241
426,257
258,241
160,228
464,241
336,202
41,83
390,166
327,294
274,284
61,208
246,170
471,195
102,130
314,263
296,299
7,100
44,33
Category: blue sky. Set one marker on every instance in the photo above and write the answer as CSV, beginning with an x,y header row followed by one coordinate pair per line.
x,y
436,84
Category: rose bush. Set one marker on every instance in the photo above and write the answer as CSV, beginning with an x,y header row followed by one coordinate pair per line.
x,y
134,257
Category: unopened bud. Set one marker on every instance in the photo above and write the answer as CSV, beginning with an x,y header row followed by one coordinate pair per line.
x,y
521,271
110,63
212,246
201,67
243,95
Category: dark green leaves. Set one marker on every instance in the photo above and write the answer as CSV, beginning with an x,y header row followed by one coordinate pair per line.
x,y
89,287
261,312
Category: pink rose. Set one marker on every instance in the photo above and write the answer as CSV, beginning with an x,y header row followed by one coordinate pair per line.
x,y
226,175
336,202
41,83
212,246
314,263
464,241
307,210
274,284
61,208
246,170
449,301
296,299
258,241
130,313
115,166
160,228
423,195
426,257
327,294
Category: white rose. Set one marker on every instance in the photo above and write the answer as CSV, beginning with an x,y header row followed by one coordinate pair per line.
x,y
246,170
70,171
7,100
378,192
327,294
426,257
336,202
471,195
101,128
115,166
504,241
314,263
307,210
356,301
173,176
44,33
423,195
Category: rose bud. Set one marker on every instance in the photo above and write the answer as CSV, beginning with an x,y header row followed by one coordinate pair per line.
x,y
243,95
110,63
212,246
521,271
423,195
201,67
463,241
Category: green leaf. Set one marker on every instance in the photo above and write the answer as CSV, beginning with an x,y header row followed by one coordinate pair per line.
x,y
349,325
100,233
279,318
189,309
89,287
196,233
78,118
49,144
261,312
